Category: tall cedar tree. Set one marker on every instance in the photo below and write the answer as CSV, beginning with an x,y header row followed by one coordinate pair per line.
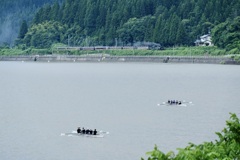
x,y
23,29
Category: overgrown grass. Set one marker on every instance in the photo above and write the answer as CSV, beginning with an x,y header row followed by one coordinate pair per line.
x,y
29,51
174,51
6,51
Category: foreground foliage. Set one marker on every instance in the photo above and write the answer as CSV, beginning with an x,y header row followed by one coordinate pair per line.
x,y
226,148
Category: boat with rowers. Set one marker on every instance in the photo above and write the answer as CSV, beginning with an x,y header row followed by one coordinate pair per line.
x,y
86,133
176,103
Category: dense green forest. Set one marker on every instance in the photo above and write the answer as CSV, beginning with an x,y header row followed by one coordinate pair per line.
x,y
12,13
124,22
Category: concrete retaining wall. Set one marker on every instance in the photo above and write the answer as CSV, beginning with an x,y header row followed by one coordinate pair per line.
x,y
91,58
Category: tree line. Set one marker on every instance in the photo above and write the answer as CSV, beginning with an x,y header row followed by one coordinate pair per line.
x,y
107,22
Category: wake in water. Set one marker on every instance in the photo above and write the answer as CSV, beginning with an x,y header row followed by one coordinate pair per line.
x,y
100,134
176,103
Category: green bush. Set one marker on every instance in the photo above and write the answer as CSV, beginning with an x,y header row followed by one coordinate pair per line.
x,y
234,51
237,58
226,148
9,52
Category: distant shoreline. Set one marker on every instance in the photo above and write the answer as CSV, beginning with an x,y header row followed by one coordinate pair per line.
x,y
108,58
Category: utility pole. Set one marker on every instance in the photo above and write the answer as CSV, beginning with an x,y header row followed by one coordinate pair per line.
x,y
116,42
69,40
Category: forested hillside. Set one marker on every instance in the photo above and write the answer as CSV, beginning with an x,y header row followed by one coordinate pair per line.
x,y
123,22
12,13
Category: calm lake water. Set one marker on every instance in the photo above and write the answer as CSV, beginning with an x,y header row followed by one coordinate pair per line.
x,y
39,101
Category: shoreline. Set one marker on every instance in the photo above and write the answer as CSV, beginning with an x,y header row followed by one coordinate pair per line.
x,y
108,58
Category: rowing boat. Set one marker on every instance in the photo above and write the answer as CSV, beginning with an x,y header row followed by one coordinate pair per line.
x,y
100,134
183,104
82,135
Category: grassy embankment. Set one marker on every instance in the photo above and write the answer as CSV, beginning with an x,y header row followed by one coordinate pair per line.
x,y
174,51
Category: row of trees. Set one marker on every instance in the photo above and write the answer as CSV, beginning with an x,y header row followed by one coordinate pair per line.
x,y
102,22
227,35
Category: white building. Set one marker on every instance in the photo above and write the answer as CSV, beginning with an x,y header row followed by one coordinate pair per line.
x,y
204,40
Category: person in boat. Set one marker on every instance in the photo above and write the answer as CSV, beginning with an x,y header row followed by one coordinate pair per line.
x,y
79,130
95,132
90,131
177,102
87,131
83,130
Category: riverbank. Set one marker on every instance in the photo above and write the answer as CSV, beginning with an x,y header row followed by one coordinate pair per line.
x,y
107,58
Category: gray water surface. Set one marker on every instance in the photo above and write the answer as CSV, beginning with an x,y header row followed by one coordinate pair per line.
x,y
39,101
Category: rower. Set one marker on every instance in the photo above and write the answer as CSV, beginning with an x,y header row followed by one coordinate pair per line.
x,y
78,130
90,131
83,131
87,131
95,132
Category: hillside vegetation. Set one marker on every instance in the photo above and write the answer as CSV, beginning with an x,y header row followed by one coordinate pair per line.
x,y
124,22
12,13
